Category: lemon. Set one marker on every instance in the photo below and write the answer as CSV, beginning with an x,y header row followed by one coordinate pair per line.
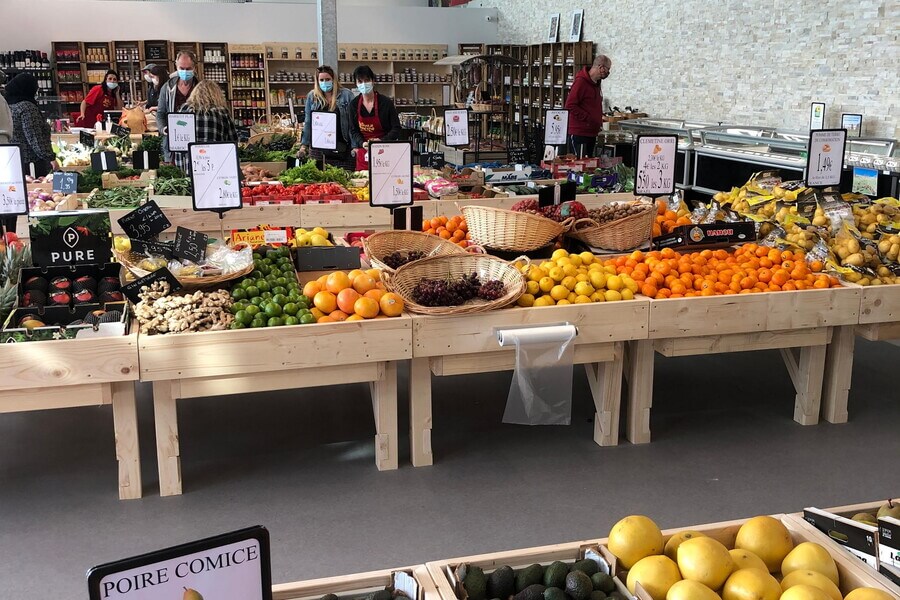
x,y
614,282
583,288
569,282
813,579
751,584
866,593
581,299
804,592
571,297
598,297
563,262
691,590
813,557
705,560
546,284
744,559
563,301
532,287
586,258
570,270
627,294
556,273
575,259
319,231
525,300
676,540
536,274
582,277
598,280
560,253
558,292
631,284
304,239
612,296
633,538
610,270
766,537
544,301
656,574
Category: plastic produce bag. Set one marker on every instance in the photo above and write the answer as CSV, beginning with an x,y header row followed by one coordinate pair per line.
x,y
541,390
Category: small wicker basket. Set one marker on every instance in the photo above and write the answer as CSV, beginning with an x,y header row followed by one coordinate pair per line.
x,y
622,234
454,266
380,244
512,231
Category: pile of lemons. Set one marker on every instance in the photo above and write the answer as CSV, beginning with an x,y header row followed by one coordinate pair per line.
x,y
573,279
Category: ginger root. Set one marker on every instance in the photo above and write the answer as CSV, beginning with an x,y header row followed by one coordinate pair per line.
x,y
159,312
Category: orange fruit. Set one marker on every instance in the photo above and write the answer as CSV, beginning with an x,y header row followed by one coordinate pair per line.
x,y
346,298
363,283
374,274
375,294
391,304
354,318
367,308
311,289
338,315
435,223
318,314
336,282
325,319
354,274
325,301
321,281
816,266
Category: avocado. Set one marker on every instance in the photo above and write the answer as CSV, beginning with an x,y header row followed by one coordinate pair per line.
x,y
555,593
603,582
616,596
529,576
379,595
578,585
598,595
555,575
329,597
475,583
534,591
586,566
501,583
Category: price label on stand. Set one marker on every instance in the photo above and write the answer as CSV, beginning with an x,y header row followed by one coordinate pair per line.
x,y
390,174
215,176
432,160
518,155
145,222
825,157
120,131
153,247
65,183
86,139
190,245
852,122
556,127
181,132
324,130
104,161
816,116
456,127
132,290
655,165
13,193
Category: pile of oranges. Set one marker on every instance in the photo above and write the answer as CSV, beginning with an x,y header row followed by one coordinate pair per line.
x,y
353,296
454,229
749,269
667,220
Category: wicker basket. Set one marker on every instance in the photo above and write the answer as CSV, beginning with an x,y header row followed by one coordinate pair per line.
x,y
130,260
512,231
622,234
482,107
378,245
486,267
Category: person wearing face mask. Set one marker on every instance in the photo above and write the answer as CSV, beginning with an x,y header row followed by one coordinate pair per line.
x,y
585,106
174,94
155,76
373,117
104,96
328,95
30,129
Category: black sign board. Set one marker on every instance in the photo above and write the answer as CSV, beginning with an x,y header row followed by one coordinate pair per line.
x,y
104,161
243,133
132,290
120,130
518,155
432,160
69,237
146,159
145,222
152,247
190,245
557,194
328,258
65,183
408,218
86,139
293,161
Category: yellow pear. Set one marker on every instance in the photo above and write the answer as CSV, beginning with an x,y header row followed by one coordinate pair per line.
x,y
676,540
691,590
813,557
633,538
190,594
751,584
656,574
767,538
813,579
744,559
318,240
705,560
866,593
804,592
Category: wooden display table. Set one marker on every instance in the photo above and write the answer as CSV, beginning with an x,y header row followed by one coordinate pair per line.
x,y
240,361
71,373
799,323
451,345
359,585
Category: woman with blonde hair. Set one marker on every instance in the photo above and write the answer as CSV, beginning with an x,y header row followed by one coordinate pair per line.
x,y
214,124
329,96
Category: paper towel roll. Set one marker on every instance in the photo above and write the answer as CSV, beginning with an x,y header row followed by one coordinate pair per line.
x,y
555,334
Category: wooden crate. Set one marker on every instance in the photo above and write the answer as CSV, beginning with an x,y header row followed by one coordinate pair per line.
x,y
111,180
355,585
275,168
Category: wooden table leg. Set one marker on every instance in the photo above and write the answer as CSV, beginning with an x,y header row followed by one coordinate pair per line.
x,y
128,453
807,371
168,454
384,405
838,374
605,380
420,412
640,390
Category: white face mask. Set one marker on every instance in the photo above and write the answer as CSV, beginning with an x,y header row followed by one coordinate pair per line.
x,y
148,78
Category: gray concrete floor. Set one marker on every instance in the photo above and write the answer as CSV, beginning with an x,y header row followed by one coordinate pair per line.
x,y
301,463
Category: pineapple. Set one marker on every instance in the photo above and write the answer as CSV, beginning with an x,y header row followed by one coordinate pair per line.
x,y
12,259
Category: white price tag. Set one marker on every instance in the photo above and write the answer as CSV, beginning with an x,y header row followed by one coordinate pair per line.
x,y
556,127
816,116
13,193
655,165
182,130
215,175
825,160
390,173
456,127
324,130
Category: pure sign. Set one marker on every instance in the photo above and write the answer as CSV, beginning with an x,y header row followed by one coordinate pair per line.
x,y
655,165
13,193
390,173
324,130
556,127
182,131
215,175
825,160
456,127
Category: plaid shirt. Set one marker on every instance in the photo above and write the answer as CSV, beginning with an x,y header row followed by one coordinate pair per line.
x,y
213,125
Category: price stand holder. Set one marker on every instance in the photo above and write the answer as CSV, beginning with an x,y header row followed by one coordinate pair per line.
x,y
132,290
190,245
181,131
323,135
456,127
556,129
104,161
215,178
86,139
655,165
390,174
13,192
825,157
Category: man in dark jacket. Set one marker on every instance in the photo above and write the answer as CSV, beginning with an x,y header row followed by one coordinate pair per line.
x,y
175,93
585,106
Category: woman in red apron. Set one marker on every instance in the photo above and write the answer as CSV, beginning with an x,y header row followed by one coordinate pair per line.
x,y
376,118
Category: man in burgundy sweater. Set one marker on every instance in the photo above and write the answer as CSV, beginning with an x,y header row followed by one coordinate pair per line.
x,y
585,106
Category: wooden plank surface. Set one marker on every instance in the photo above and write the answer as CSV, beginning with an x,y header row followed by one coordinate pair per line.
x,y
224,385
208,222
838,374
168,451
504,359
639,361
46,398
128,451
605,380
248,351
355,215
880,304
420,412
742,342
354,585
467,334
879,332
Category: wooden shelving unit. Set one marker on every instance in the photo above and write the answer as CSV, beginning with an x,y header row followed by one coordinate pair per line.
x,y
128,59
248,83
69,73
290,75
215,64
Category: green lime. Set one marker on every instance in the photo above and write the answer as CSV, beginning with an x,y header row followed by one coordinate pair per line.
x,y
304,299
283,281
280,299
238,293
252,291
257,256
273,253
237,325
235,308
303,311
268,261
247,283
257,300
243,317
275,322
271,277
263,269
264,286
284,262
273,310
252,310
258,322
291,321
278,289
291,309
307,318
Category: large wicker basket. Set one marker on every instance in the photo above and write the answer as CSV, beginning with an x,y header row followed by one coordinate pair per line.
x,y
622,234
130,260
501,229
454,266
378,245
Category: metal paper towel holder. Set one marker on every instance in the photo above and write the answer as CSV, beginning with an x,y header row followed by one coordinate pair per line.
x,y
496,330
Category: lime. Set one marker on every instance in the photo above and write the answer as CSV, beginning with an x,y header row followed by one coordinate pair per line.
x,y
252,310
247,283
235,308
304,299
284,262
238,293
291,309
264,286
241,316
279,289
263,269
293,286
252,291
307,318
291,321
257,300
303,311
280,299
273,254
282,281
271,277
257,256
273,310
237,325
258,322
275,322
268,261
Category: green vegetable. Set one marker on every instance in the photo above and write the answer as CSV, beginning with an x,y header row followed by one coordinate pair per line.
x,y
88,181
309,173
173,187
151,143
120,197
169,172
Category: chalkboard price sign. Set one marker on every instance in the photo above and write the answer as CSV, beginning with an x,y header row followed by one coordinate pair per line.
x,y
132,290
65,183
518,155
151,247
145,222
119,130
104,161
190,245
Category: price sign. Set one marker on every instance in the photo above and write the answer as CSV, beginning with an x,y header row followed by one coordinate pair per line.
x,y
165,249
324,130
852,123
518,155
13,193
145,159
655,164
86,139
432,160
182,130
190,245
65,183
390,173
215,176
556,127
145,222
132,290
104,161
456,127
120,131
825,158
865,181
816,116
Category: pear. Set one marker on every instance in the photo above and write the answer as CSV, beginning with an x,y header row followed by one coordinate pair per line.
x,y
866,518
190,594
890,509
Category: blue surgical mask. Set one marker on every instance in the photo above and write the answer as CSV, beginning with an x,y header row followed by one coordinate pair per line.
x,y
185,74
326,86
365,88
112,85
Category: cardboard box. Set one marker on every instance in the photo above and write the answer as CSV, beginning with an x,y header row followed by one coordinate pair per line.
x,y
465,178
111,180
507,175
12,334
712,235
